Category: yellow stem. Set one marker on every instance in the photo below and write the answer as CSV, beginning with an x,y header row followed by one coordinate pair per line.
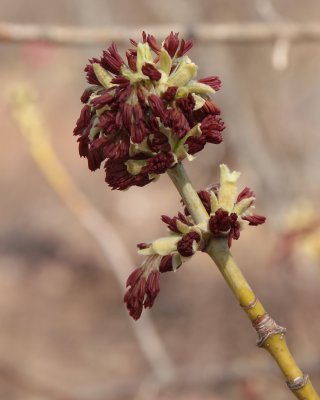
x,y
188,194
270,335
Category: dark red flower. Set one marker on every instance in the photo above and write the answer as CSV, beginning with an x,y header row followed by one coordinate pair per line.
x,y
186,105
134,277
172,222
132,60
212,81
142,246
205,199
122,81
96,153
156,105
175,120
83,146
166,264
211,108
152,72
223,224
102,100
83,121
121,94
152,288
141,94
107,122
144,106
159,141
235,228
143,287
255,219
185,244
117,147
185,46
219,223
86,95
126,114
171,43
159,163
212,127
111,60
195,144
169,94
246,193
90,74
134,296
138,128
153,43
118,177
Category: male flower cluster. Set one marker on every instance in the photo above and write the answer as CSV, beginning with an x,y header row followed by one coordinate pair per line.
x,y
144,114
163,255
228,213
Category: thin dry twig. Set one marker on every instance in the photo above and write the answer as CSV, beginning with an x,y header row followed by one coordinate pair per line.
x,y
281,47
28,118
255,32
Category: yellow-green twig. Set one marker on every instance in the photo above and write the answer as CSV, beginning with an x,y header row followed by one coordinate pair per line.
x,y
270,335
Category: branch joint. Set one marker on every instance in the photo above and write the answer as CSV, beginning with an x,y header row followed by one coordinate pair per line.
x,y
265,326
298,383
249,306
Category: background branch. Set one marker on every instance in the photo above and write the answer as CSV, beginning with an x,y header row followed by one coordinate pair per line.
x,y
27,115
255,32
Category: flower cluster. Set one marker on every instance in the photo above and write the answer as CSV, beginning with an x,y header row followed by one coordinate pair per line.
x,y
143,115
228,213
144,283
163,255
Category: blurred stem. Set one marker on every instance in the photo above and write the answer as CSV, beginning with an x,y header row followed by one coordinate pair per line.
x,y
27,115
270,335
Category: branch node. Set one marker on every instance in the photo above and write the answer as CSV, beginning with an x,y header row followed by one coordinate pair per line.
x,y
250,305
298,383
265,326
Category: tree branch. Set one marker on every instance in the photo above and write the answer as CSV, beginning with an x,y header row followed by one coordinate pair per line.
x,y
231,32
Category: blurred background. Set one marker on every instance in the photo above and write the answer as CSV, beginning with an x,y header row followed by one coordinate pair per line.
x,y
64,331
